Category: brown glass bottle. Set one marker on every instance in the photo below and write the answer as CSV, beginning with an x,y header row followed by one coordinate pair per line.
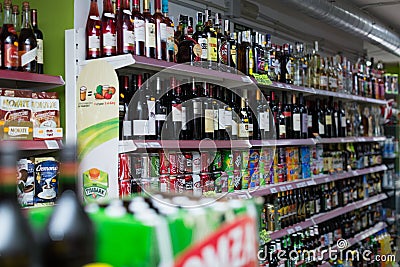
x,y
9,42
245,55
93,32
39,42
161,32
150,31
108,40
27,42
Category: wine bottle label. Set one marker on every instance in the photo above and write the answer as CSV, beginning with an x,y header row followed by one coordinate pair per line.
x,y
250,127
170,39
27,56
150,30
212,49
221,117
262,121
216,120
243,130
296,122
323,81
328,119
203,44
163,32
151,105
343,121
309,121
109,15
129,39
321,128
332,82
139,31
140,127
228,118
127,128
184,121
282,129
39,50
234,128
208,121
304,125
267,121
196,108
94,43
109,40
11,55
160,117
177,112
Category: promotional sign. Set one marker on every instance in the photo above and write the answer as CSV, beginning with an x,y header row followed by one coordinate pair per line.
x,y
97,127
234,244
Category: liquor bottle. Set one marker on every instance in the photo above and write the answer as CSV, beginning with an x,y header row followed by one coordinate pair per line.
x,y
251,118
108,40
161,32
269,123
303,117
68,242
298,65
319,120
9,42
315,66
150,31
286,65
93,32
186,112
287,113
15,19
228,114
176,110
140,112
216,109
260,122
281,121
340,72
243,127
310,117
208,124
196,111
323,75
256,52
27,42
274,112
118,7
221,39
125,30
160,109
231,47
212,52
169,24
332,75
16,245
39,42
296,119
245,55
235,115
328,120
201,37
188,49
138,28
270,58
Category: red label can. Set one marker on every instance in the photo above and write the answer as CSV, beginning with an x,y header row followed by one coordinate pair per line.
x,y
237,160
188,162
123,167
172,184
180,183
205,162
173,165
237,180
189,183
164,183
204,181
164,164
137,166
181,163
125,188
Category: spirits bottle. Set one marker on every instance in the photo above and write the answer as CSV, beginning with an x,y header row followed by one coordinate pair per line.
x,y
212,45
315,67
201,37
243,127
9,42
296,119
323,76
245,55
150,31
27,42
93,32
39,42
108,40
138,28
298,65
188,49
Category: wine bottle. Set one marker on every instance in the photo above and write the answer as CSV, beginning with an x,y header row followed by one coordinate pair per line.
x,y
140,112
15,19
127,32
319,120
138,28
170,53
281,122
296,119
328,120
235,115
176,109
68,238
243,127
303,117
108,39
200,36
197,111
208,123
228,114
39,42
287,113
161,32
160,109
27,42
341,121
124,81
9,42
93,32
150,31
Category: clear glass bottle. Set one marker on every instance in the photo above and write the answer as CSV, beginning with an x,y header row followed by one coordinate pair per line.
x,y
108,40
93,32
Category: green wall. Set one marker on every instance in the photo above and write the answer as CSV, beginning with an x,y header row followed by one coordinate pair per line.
x,y
54,17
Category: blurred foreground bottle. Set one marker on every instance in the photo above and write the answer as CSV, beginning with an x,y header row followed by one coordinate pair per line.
x,y
16,241
68,239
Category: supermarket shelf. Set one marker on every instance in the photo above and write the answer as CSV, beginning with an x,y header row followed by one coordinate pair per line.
x,y
27,80
327,216
351,139
36,144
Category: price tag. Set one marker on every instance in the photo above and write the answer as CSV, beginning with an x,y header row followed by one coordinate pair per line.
x,y
327,179
362,139
51,144
126,146
288,86
155,144
141,145
246,79
282,188
290,231
300,185
273,190
280,85
298,228
289,187
311,182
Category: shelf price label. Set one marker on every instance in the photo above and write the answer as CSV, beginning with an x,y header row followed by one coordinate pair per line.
x,y
289,187
300,185
262,79
298,228
282,188
273,190
290,231
51,144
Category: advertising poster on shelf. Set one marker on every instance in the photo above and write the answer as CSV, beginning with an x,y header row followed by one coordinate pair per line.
x,y
97,128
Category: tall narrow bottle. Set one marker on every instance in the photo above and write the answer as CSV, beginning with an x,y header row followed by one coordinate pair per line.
x,y
138,28
260,122
93,32
150,31
319,120
169,31
315,66
245,55
208,113
296,119
160,109
304,117
235,115
127,30
27,42
39,42
212,52
140,112
9,42
16,245
243,130
287,113
108,40
161,32
68,238
201,37
323,75
15,19
176,109
197,112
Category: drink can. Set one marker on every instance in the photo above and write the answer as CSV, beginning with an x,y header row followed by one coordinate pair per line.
x,y
125,188
245,178
180,184
216,176
292,155
189,183
217,162
145,167
245,159
224,182
154,184
205,162
204,181
272,173
154,165
136,186
196,162
173,167
254,158
197,188
231,182
227,160
172,184
188,162
123,167
137,166
164,183
254,178
180,163
237,180
164,164
281,173
237,160
281,155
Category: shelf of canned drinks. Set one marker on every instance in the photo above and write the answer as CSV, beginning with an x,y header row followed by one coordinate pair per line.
x,y
320,218
357,238
281,187
229,79
126,146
